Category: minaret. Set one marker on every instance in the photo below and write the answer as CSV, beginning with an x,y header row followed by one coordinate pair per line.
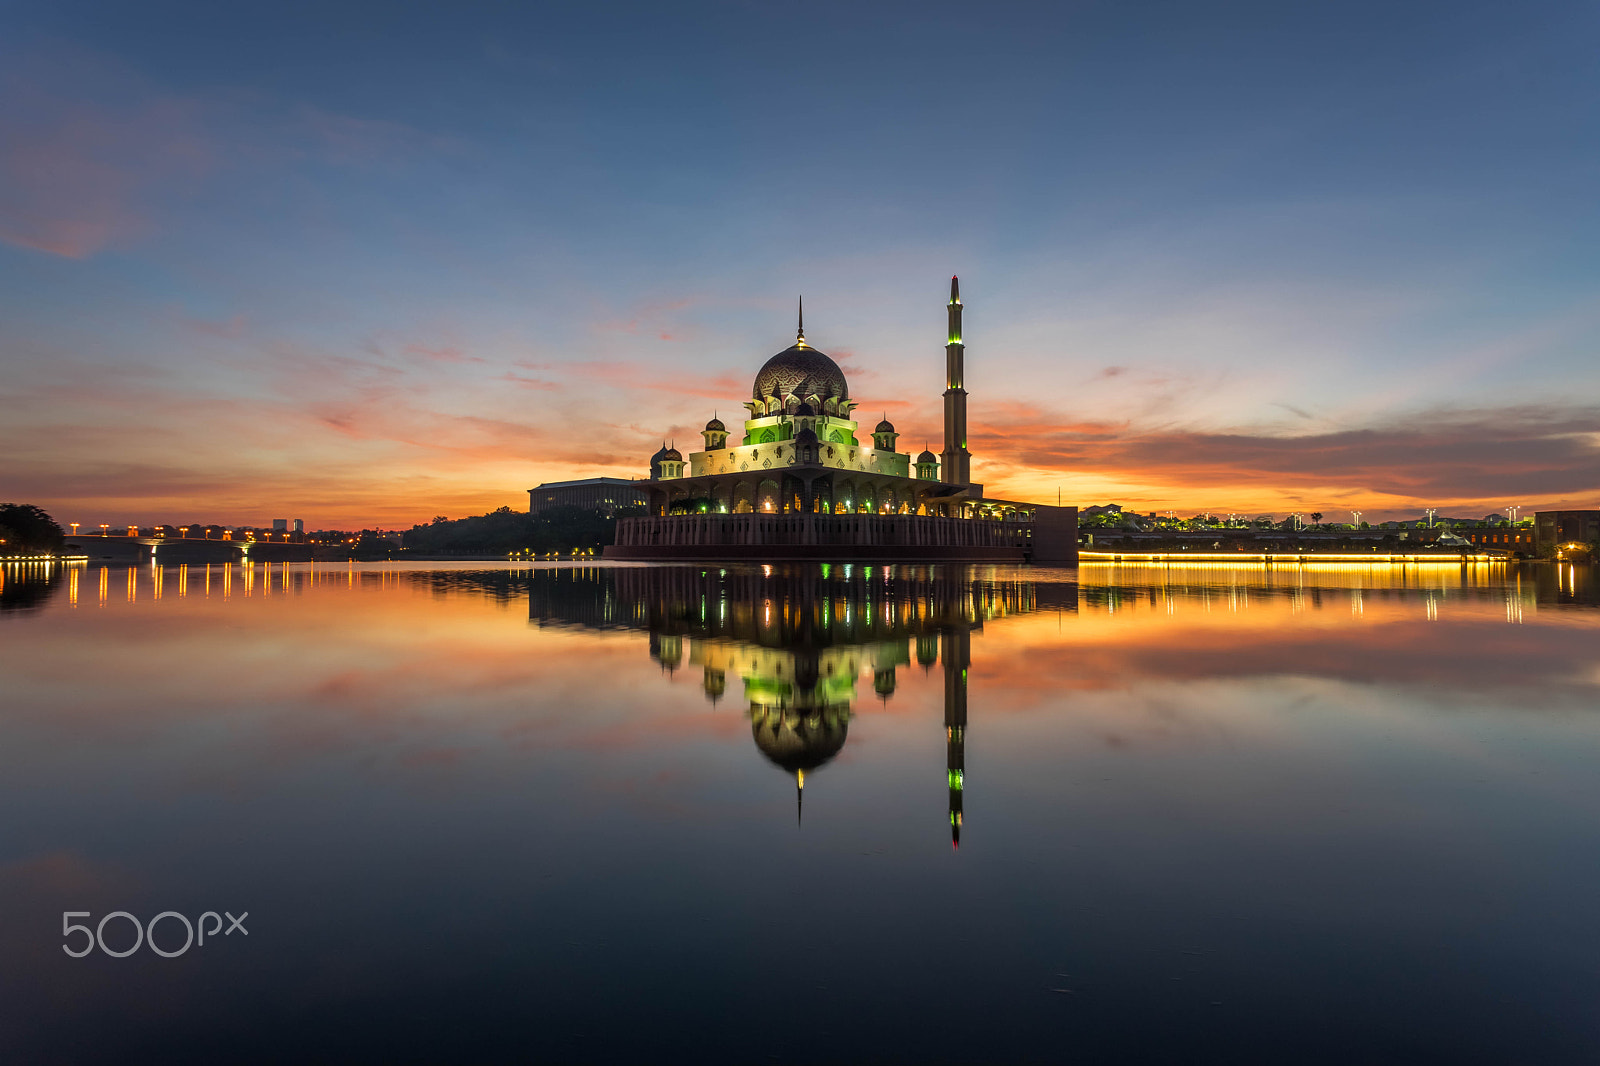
x,y
956,461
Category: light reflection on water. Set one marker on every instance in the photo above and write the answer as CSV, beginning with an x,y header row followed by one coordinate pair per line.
x,y
1316,813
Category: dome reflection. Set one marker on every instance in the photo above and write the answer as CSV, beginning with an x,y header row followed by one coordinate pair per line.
x,y
800,639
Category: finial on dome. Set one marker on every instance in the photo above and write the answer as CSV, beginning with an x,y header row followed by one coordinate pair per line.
x,y
800,331
799,796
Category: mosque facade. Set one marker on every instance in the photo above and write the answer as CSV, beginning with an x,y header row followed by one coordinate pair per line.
x,y
804,481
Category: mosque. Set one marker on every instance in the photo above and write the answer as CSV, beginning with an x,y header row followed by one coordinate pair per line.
x,y
780,491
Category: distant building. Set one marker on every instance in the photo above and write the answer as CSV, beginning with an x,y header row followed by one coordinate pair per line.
x,y
1554,528
280,525
606,495
1515,539
298,526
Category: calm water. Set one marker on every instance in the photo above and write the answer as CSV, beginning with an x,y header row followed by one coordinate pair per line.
x,y
1340,814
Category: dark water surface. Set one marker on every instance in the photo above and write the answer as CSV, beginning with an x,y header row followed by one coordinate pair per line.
x,y
1338,814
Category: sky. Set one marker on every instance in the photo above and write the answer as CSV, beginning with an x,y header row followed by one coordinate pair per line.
x,y
363,264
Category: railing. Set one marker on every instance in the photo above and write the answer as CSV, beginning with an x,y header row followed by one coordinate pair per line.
x,y
801,529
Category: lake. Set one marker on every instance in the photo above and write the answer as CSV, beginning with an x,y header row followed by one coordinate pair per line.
x,y
468,812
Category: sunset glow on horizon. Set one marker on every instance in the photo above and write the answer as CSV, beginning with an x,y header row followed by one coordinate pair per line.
x,y
363,266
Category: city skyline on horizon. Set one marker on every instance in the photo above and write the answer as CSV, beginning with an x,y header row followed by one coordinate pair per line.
x,y
1281,261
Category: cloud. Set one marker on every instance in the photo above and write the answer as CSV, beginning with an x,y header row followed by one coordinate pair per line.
x,y
92,155
77,175
1486,457
651,318
637,376
529,383
351,140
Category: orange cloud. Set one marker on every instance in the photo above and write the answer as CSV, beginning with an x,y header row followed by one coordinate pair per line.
x,y
1476,459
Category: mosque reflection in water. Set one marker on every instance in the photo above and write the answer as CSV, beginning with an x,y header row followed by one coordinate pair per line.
x,y
799,640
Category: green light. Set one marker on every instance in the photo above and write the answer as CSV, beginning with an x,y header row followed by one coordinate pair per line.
x,y
956,778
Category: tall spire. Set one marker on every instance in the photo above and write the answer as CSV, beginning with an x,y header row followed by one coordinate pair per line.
x,y
799,796
956,461
800,332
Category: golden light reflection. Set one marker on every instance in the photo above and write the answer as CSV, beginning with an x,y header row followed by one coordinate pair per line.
x,y
432,638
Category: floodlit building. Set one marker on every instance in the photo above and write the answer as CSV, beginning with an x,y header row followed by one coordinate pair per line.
x,y
607,495
804,481
1554,529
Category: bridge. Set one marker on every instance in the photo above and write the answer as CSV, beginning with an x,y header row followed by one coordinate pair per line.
x,y
176,550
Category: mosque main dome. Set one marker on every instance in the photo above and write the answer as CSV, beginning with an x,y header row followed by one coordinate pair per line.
x,y
800,371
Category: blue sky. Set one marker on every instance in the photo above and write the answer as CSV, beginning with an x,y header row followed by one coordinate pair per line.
x,y
369,263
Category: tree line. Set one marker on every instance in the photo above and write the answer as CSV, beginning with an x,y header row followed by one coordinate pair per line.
x,y
558,529
26,528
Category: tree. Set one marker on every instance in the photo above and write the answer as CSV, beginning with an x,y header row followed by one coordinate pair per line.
x,y
1316,517
28,528
557,529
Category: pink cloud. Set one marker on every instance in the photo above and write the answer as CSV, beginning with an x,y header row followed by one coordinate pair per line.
x,y
77,177
446,354
89,152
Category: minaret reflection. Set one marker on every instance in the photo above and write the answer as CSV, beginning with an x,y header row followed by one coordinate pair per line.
x,y
957,658
801,638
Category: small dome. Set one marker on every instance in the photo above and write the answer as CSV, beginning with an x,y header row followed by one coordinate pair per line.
x,y
659,455
672,455
927,457
805,409
885,426
806,436
716,426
